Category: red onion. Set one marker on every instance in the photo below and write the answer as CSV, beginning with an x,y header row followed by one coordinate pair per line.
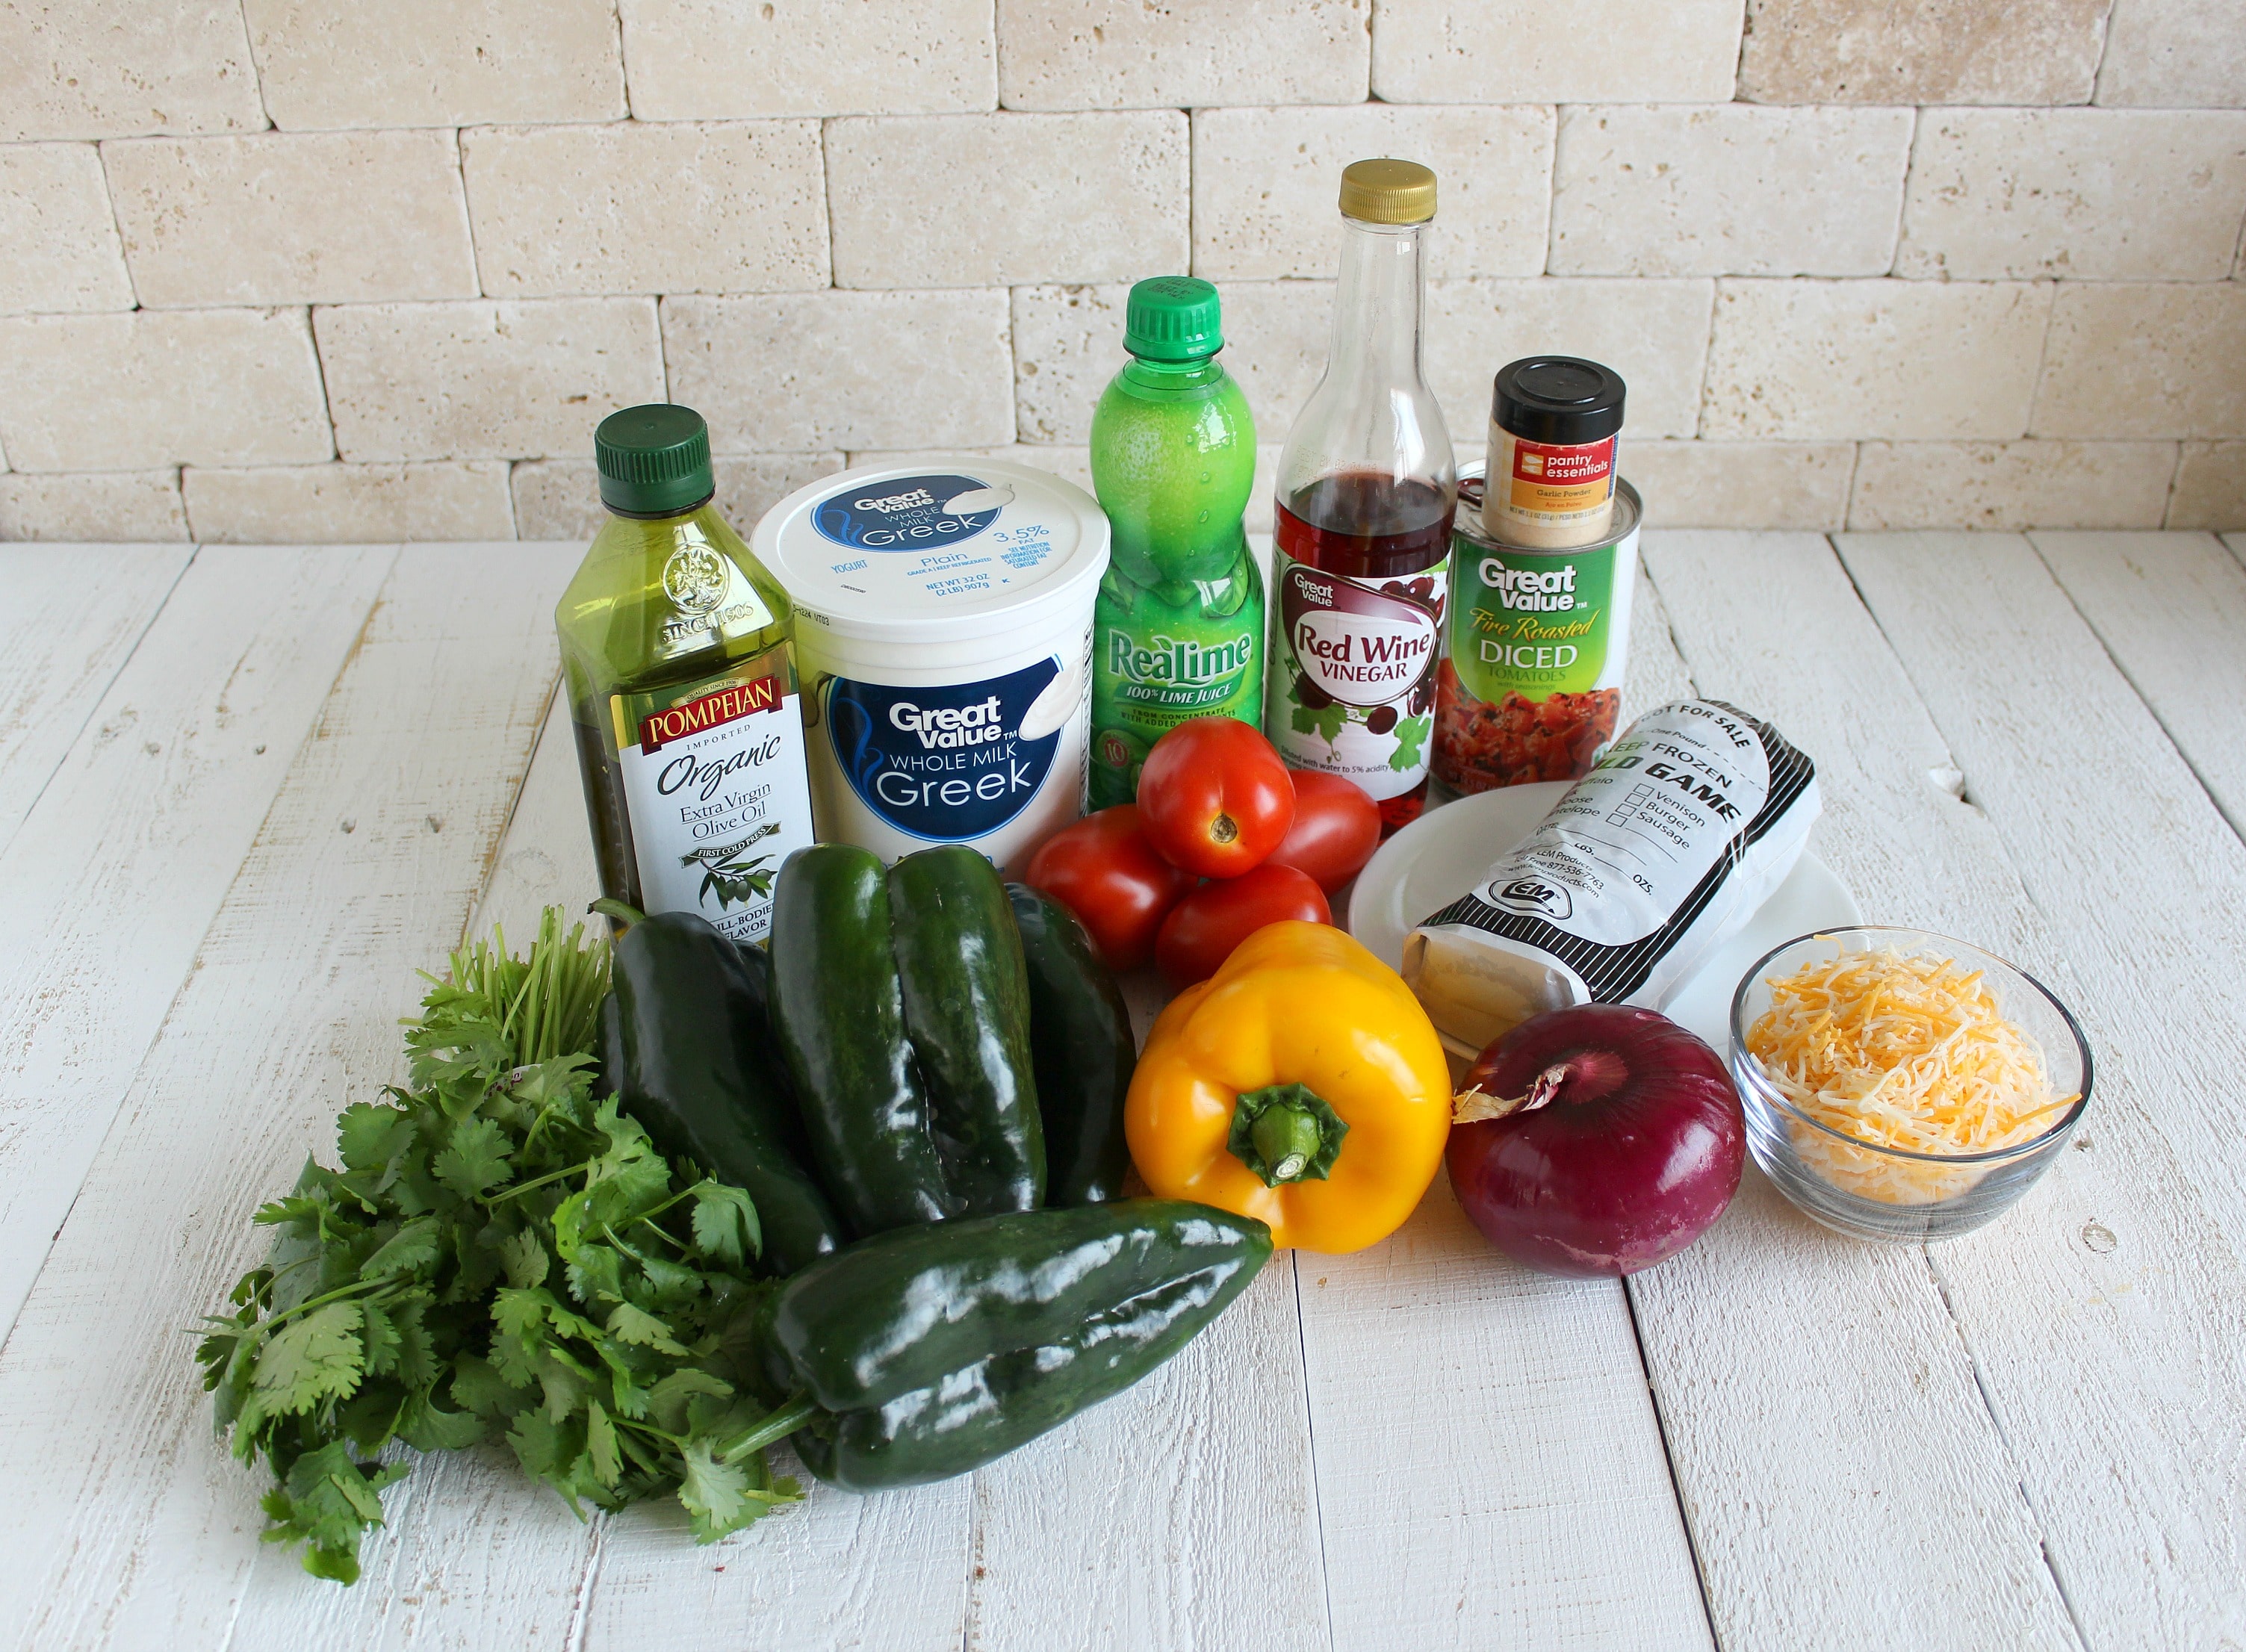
x,y
1602,1139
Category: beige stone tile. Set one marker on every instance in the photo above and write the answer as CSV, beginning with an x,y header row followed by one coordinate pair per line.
x,y
1921,51
1689,484
58,249
799,372
97,68
2099,194
1068,343
1072,464
2011,486
560,499
1653,332
161,387
1123,54
1896,360
349,504
2211,487
735,60
100,506
1023,198
2157,360
1277,335
1537,52
482,379
1265,183
1730,190
293,218
641,208
327,64
2186,54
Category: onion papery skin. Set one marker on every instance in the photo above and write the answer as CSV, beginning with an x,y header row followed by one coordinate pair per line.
x,y
1634,1157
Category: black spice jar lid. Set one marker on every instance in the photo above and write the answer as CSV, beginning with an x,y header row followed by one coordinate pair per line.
x,y
1561,400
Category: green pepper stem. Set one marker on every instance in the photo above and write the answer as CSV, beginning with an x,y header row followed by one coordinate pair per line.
x,y
609,906
794,1412
1288,1138
1285,1134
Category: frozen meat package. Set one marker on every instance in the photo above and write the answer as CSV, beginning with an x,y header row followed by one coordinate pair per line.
x,y
1648,863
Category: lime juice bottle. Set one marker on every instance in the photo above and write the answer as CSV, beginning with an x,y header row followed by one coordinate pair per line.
x,y
678,653
1178,630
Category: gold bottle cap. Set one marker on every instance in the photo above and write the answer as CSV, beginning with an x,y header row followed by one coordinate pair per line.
x,y
1387,191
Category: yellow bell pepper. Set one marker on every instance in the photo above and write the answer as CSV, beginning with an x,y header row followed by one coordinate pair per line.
x,y
1301,1085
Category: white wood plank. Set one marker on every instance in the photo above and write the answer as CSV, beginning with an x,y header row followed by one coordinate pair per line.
x,y
1822,1413
1490,1468
117,871
1180,1514
2109,1319
125,1524
887,1572
69,617
2171,609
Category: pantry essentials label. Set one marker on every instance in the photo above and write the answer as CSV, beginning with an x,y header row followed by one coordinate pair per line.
x,y
716,784
1551,482
1352,672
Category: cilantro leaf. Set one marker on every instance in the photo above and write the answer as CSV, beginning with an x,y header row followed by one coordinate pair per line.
x,y
312,1359
725,1226
642,1329
410,1250
476,1160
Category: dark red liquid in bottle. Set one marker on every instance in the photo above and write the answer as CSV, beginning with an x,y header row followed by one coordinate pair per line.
x,y
1369,526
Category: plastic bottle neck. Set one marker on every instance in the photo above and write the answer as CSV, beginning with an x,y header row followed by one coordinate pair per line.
x,y
1149,374
1378,310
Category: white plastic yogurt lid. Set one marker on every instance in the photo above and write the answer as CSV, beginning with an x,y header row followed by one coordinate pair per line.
x,y
935,551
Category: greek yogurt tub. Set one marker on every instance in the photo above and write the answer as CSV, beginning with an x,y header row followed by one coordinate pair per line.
x,y
944,640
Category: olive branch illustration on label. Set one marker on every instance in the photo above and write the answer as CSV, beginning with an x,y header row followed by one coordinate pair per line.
x,y
735,881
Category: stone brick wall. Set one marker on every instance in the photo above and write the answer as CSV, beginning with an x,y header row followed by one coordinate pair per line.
x,y
335,269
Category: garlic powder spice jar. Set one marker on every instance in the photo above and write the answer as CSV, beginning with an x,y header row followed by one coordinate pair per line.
x,y
1552,428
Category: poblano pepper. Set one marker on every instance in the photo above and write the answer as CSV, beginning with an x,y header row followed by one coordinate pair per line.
x,y
901,1004
930,1351
688,1051
1080,1035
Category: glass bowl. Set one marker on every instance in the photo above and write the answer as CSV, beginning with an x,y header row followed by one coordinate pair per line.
x,y
1871,1191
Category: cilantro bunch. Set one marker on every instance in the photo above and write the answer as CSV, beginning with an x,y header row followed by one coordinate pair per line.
x,y
499,1255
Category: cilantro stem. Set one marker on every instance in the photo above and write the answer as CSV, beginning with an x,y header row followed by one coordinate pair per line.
x,y
356,1288
540,1181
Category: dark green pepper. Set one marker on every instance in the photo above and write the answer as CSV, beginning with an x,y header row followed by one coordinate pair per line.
x,y
689,1057
901,1004
1080,1039
931,1351
967,1012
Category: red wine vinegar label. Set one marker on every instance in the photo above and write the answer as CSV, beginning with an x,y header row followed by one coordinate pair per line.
x,y
1352,662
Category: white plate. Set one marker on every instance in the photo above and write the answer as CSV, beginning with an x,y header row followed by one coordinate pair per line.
x,y
1444,853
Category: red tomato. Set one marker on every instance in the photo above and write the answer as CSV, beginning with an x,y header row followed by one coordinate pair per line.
x,y
1104,870
1337,828
1203,928
1214,797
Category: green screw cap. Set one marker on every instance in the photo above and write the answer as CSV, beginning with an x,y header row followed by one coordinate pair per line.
x,y
654,460
1172,319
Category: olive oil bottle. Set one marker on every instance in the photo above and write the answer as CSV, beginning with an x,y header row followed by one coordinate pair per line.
x,y
679,655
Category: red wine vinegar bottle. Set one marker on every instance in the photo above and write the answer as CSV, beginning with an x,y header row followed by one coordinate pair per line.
x,y
1366,491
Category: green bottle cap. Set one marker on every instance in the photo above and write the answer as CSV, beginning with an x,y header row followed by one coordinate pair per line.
x,y
1172,319
654,460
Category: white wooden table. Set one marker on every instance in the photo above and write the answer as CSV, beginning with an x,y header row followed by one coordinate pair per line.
x,y
245,793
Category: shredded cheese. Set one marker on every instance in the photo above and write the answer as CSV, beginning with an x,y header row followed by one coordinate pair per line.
x,y
1908,1053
